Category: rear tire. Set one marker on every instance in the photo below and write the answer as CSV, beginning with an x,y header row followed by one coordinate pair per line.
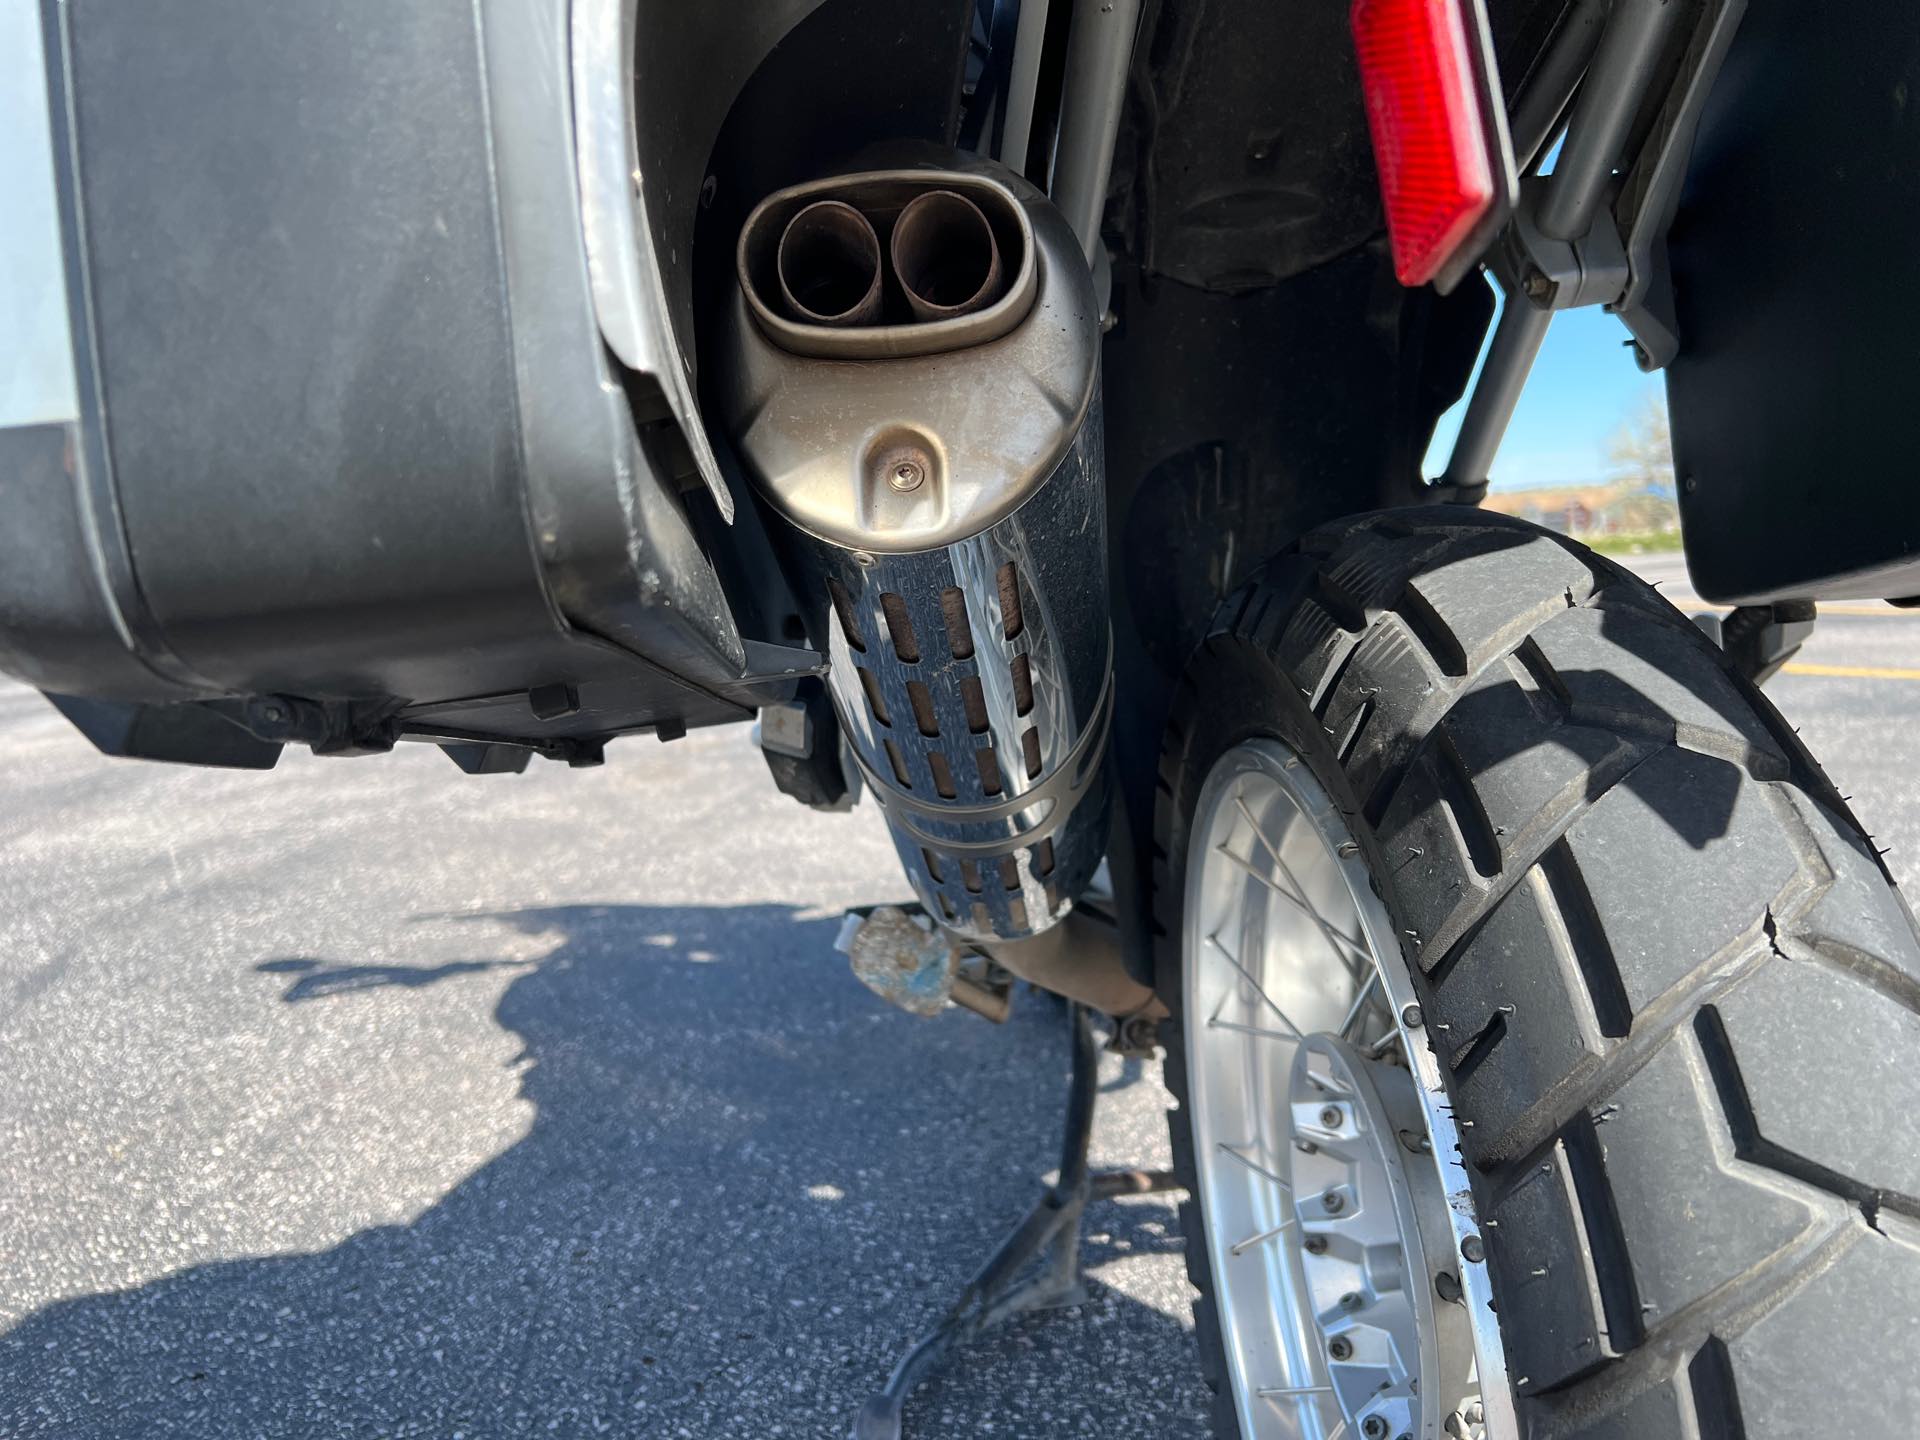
x,y
1675,989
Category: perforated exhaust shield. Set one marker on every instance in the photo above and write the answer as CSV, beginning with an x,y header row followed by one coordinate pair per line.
x,y
975,684
949,523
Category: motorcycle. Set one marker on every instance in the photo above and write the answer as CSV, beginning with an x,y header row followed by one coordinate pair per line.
x,y
1015,409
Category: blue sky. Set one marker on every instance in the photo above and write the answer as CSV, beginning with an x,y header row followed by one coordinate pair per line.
x,y
1583,386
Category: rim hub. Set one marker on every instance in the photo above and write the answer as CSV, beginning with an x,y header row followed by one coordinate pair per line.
x,y
1333,1196
1361,1249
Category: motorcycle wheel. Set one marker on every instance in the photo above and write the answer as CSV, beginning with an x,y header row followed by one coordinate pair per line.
x,y
1543,1021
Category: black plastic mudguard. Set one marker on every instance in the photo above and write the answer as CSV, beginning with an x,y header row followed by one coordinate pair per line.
x,y
1796,284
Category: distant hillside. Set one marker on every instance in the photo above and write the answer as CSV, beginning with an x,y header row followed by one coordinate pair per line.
x,y
1626,507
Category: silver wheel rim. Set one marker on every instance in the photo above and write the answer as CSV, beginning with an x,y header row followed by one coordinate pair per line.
x,y
1348,1268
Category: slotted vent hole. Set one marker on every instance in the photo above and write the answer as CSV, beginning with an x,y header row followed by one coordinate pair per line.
x,y
981,919
1043,857
933,865
1017,912
876,702
1022,684
953,607
1030,743
1010,618
942,775
970,875
899,765
921,699
946,907
843,609
900,628
989,764
974,698
1009,872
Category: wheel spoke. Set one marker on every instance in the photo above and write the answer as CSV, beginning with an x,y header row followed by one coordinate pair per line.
x,y
1344,944
1256,1167
1255,1030
1246,975
1359,1005
1385,1043
1264,1236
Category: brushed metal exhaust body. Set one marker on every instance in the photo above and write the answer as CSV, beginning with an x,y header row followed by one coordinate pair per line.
x,y
947,509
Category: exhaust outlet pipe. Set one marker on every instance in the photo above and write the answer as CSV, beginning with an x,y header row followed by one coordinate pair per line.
x,y
944,508
829,266
945,256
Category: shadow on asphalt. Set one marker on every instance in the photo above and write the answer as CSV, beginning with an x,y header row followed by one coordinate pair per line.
x,y
745,1186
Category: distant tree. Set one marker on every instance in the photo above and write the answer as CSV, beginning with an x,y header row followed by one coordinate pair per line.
x,y
1642,449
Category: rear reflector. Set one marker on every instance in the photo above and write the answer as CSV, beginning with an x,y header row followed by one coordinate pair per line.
x,y
1431,142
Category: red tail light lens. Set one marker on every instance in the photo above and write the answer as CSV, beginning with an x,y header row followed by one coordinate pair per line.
x,y
1430,141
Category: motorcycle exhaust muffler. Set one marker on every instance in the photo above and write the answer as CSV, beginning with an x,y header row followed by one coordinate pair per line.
x,y
945,505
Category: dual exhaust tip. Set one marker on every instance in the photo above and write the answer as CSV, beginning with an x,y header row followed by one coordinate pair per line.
x,y
943,254
884,264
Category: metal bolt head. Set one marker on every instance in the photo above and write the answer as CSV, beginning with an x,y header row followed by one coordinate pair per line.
x,y
1333,1202
906,474
1314,1245
1341,1348
1537,285
1476,1413
1352,1300
1447,1286
1373,1427
1473,1249
1331,1117
1411,1017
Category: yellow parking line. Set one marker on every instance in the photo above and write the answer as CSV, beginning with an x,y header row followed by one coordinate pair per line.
x,y
1853,672
1691,603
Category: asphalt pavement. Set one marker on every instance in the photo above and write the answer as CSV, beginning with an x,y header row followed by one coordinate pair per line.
x,y
364,1098
1853,693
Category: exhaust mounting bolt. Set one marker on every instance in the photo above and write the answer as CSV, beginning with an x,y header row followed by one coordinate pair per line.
x,y
1341,1348
906,475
